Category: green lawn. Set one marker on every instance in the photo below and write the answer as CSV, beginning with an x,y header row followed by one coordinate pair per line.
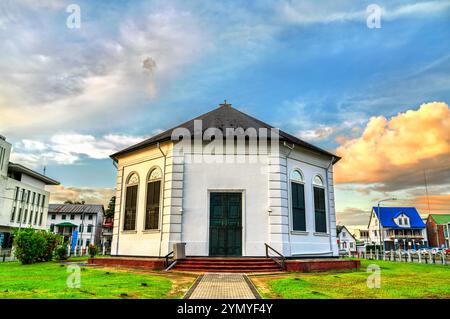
x,y
49,280
398,280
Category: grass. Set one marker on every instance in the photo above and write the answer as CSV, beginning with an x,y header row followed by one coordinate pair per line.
x,y
398,280
49,280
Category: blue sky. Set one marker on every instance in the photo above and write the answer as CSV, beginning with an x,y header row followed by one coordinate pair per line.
x,y
70,97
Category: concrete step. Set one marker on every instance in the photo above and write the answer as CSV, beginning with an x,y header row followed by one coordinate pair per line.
x,y
227,265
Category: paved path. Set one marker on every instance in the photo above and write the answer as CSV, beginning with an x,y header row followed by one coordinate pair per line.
x,y
222,286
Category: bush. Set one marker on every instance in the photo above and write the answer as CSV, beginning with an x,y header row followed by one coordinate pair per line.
x,y
92,250
29,245
51,242
61,252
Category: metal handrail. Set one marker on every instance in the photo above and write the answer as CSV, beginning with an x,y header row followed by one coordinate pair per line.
x,y
282,260
167,257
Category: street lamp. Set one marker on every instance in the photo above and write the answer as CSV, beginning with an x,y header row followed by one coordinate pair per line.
x,y
379,221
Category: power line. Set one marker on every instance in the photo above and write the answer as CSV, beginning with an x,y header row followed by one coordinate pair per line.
x,y
426,189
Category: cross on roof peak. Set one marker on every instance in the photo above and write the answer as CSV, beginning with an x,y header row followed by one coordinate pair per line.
x,y
225,103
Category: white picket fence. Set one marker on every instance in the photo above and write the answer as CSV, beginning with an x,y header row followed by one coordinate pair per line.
x,y
403,256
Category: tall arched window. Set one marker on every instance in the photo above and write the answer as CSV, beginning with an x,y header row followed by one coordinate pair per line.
x,y
153,199
319,205
129,222
298,201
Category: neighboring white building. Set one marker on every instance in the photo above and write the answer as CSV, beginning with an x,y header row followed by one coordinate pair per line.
x,y
399,227
346,240
168,193
362,236
85,219
23,198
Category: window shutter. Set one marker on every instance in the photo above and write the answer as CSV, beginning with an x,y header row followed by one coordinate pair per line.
x,y
298,207
320,211
130,208
152,205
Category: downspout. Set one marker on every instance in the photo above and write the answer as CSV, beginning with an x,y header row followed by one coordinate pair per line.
x,y
287,185
120,208
328,197
164,189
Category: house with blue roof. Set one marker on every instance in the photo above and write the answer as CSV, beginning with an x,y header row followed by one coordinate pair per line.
x,y
397,228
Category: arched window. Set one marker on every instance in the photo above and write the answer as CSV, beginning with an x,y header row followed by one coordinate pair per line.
x,y
153,199
298,201
129,222
297,176
318,181
319,205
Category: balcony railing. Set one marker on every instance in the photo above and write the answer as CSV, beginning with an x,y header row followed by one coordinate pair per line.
x,y
409,236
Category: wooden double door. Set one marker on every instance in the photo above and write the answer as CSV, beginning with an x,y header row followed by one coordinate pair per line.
x,y
225,224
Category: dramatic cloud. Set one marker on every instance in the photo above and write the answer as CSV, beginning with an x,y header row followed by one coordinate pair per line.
x,y
435,204
396,152
68,148
53,77
59,194
353,216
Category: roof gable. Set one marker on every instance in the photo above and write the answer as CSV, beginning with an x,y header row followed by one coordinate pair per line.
x,y
389,214
441,218
222,118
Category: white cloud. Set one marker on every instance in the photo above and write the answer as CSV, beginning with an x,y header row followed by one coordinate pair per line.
x,y
322,132
67,149
306,12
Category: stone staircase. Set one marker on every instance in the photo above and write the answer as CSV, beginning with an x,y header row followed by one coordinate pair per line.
x,y
227,264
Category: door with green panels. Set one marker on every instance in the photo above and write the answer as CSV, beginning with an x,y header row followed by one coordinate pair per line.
x,y
225,225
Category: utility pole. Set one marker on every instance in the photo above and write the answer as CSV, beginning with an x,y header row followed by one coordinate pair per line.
x,y
379,221
426,190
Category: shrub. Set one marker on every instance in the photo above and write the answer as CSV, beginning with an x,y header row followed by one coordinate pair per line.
x,y
51,242
29,245
92,250
61,252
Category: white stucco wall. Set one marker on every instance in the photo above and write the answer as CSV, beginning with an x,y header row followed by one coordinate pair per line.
x,y
310,242
138,242
345,237
9,202
184,215
94,236
32,181
249,178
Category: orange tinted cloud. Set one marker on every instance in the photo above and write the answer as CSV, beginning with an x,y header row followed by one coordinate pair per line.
x,y
59,194
439,204
389,148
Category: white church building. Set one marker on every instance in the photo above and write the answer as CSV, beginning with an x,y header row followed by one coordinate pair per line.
x,y
225,184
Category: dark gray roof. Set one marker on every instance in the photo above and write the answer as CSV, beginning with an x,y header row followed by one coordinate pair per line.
x,y
13,167
75,208
222,118
339,229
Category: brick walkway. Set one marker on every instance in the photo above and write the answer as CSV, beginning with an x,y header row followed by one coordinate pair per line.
x,y
222,286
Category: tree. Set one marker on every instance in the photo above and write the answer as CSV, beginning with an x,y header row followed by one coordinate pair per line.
x,y
109,212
